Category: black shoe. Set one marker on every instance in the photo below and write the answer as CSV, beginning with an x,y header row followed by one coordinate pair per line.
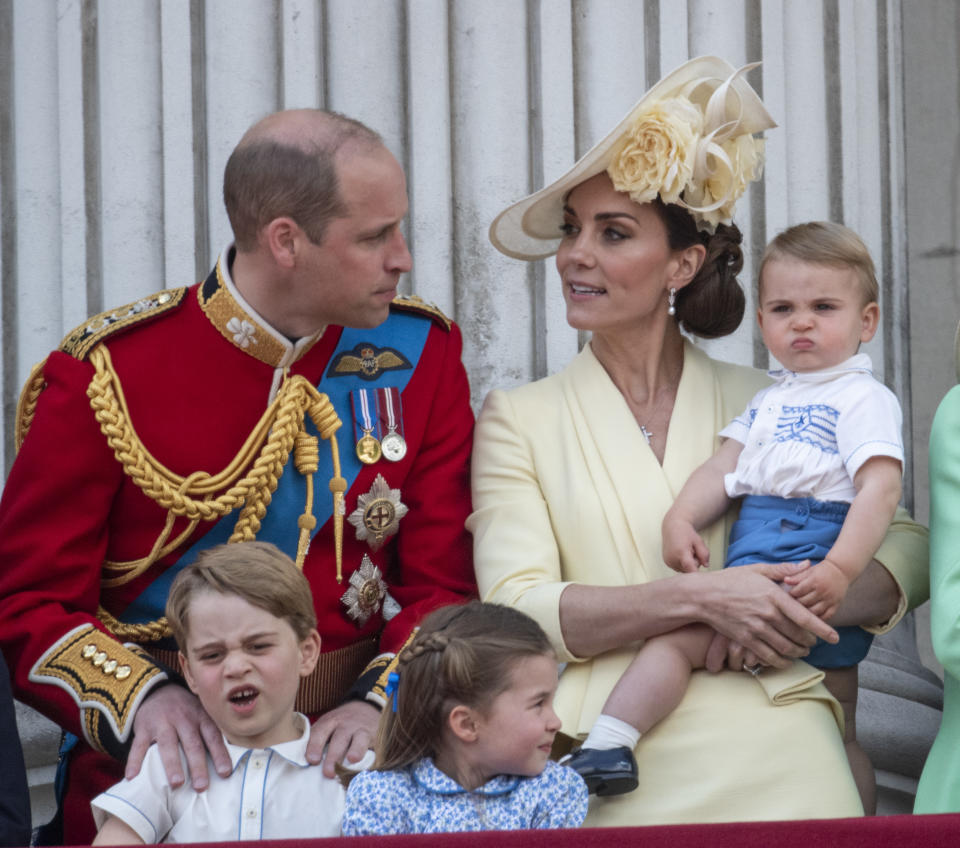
x,y
609,772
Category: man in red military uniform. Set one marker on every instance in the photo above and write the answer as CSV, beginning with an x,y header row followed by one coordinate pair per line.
x,y
212,414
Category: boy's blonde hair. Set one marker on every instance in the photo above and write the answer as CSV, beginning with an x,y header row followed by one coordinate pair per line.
x,y
825,243
258,572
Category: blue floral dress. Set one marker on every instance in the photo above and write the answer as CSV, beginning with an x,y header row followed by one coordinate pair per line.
x,y
422,799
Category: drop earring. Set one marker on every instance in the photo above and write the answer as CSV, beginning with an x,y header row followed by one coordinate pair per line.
x,y
671,299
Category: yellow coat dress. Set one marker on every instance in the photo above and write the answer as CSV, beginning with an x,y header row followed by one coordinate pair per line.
x,y
566,490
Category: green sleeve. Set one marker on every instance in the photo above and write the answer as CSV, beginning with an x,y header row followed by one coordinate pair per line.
x,y
945,532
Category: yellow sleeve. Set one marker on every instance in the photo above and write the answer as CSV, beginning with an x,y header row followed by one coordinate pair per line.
x,y
515,552
904,553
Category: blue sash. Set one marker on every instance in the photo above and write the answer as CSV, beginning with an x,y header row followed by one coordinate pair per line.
x,y
405,333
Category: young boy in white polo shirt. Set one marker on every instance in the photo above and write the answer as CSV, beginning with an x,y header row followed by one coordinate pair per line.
x,y
243,618
817,458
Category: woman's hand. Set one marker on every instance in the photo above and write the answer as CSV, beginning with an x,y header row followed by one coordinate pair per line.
x,y
747,605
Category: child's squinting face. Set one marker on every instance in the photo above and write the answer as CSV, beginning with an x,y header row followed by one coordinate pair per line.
x,y
813,316
516,733
245,665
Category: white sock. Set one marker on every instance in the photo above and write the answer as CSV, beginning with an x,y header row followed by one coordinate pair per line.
x,y
609,732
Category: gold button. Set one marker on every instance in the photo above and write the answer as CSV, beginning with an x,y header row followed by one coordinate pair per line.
x,y
99,658
123,672
109,667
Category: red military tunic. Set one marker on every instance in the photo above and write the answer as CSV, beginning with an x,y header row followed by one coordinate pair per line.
x,y
193,372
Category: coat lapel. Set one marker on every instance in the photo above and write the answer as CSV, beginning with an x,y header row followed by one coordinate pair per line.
x,y
634,489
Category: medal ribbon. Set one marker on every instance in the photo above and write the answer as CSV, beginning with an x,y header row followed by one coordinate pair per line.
x,y
388,405
362,417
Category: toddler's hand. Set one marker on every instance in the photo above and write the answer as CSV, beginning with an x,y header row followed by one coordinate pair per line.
x,y
683,548
821,589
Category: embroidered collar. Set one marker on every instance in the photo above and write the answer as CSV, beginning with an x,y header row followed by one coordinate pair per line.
x,y
295,751
859,363
240,324
429,777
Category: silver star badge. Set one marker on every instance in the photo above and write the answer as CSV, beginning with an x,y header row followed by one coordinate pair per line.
x,y
378,513
366,593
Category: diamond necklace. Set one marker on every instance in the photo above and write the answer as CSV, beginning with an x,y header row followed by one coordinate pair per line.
x,y
648,434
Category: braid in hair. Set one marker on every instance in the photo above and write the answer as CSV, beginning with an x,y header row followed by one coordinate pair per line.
x,y
430,643
463,654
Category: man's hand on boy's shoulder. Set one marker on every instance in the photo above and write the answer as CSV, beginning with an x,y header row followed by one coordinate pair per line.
x,y
346,732
172,718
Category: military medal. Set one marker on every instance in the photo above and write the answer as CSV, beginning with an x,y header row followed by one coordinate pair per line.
x,y
393,446
368,448
368,445
378,513
389,412
367,592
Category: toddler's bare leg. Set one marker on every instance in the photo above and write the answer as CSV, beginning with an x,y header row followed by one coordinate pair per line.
x,y
653,684
656,681
843,684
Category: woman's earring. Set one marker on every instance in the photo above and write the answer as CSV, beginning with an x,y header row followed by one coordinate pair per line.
x,y
671,299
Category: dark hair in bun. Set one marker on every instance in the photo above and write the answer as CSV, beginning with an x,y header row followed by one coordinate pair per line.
x,y
712,304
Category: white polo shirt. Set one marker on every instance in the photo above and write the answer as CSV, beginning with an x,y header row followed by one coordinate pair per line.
x,y
271,793
808,434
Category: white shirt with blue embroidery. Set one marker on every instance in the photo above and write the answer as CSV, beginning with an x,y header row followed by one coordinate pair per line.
x,y
422,799
808,434
272,793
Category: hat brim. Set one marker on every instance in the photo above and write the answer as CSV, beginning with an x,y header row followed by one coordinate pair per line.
x,y
530,228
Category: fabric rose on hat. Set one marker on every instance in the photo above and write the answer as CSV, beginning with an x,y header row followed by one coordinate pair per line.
x,y
658,152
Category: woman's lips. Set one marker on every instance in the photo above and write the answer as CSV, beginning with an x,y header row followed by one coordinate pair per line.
x,y
585,290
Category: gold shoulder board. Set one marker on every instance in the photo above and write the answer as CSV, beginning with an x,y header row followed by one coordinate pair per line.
x,y
413,303
83,339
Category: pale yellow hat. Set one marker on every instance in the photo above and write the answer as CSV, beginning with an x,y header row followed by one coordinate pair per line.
x,y
689,139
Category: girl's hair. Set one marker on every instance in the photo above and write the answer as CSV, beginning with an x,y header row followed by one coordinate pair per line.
x,y
825,243
712,304
460,655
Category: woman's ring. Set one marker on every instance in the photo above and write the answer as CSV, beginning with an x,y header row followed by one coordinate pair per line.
x,y
753,669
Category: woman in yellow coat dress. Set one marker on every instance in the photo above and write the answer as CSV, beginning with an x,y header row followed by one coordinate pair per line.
x,y
573,474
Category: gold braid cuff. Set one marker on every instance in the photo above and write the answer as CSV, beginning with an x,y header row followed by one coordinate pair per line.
x,y
263,456
107,681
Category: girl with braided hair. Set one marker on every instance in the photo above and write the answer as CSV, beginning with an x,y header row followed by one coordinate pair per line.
x,y
465,741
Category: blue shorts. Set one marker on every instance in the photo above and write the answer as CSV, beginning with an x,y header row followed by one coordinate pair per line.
x,y
772,529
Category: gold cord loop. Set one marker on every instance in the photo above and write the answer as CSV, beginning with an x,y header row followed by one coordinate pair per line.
x,y
279,432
